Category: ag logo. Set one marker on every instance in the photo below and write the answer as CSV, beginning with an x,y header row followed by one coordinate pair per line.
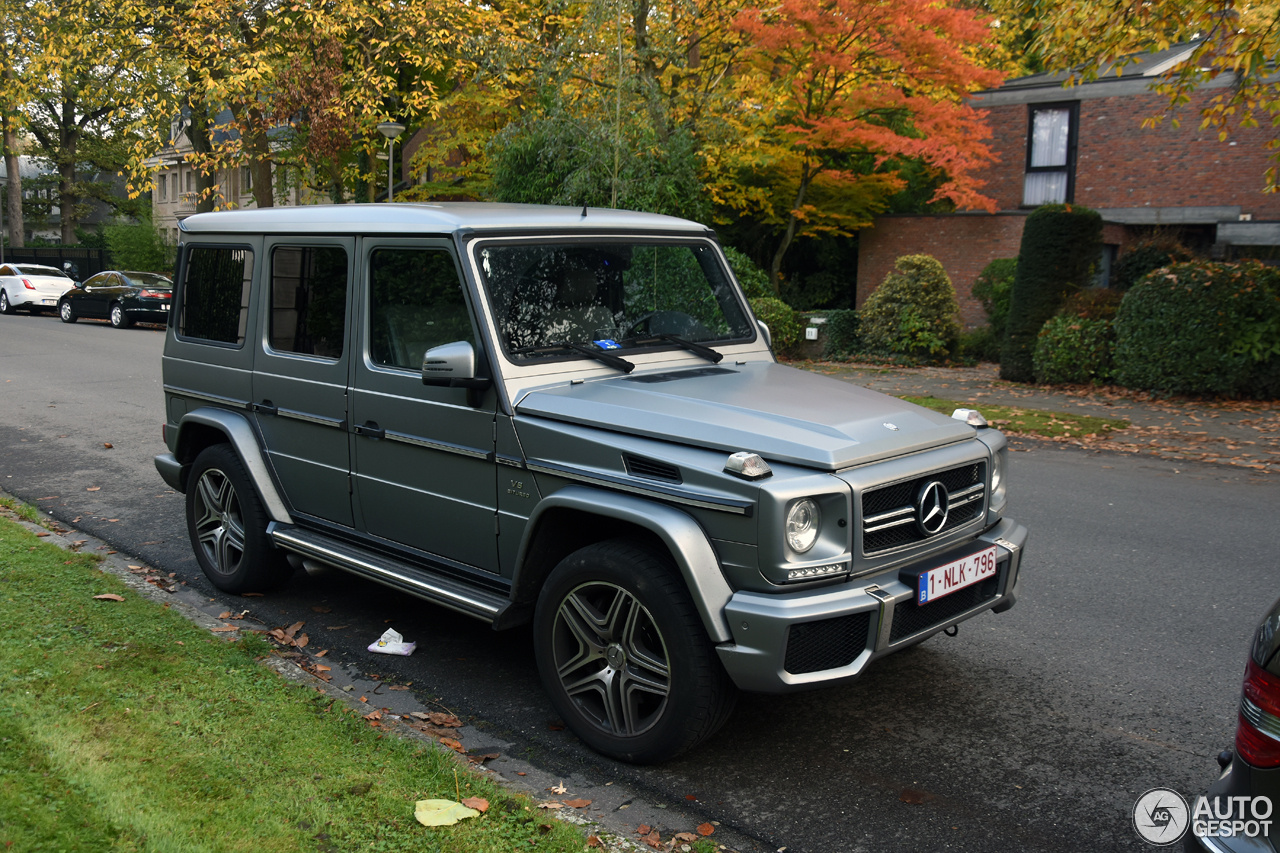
x,y
1160,816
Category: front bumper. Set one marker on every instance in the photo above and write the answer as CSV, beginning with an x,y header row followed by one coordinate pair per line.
x,y
794,641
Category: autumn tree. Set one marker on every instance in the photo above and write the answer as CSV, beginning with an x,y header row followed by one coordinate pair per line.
x,y
840,78
1231,57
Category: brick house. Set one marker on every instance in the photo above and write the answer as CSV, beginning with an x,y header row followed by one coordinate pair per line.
x,y
1086,145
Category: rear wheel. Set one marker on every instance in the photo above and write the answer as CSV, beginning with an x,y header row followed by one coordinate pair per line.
x,y
6,307
625,657
228,525
66,312
119,319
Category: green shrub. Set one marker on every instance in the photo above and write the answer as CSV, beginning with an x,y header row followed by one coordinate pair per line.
x,y
982,344
1144,257
842,333
1074,350
1201,328
754,281
139,246
1060,249
993,288
1094,303
913,313
781,320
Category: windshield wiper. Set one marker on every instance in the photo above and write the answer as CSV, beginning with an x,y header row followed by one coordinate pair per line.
x,y
697,349
602,357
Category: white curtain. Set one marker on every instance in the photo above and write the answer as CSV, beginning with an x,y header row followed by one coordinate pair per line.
x,y
1049,130
1044,188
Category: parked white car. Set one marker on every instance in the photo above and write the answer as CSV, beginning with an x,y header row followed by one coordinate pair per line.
x,y
31,286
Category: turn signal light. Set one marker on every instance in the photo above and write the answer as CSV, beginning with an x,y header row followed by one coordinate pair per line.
x,y
1258,735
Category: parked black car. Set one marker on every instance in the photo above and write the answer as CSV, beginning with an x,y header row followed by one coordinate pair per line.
x,y
121,297
1236,813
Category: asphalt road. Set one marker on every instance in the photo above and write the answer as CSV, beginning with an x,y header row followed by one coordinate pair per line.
x,y
1035,730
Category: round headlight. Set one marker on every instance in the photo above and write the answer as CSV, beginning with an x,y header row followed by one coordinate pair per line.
x,y
803,520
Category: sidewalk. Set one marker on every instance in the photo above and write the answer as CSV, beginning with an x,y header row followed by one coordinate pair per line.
x,y
1238,433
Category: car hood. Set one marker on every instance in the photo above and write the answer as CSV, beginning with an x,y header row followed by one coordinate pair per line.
x,y
784,414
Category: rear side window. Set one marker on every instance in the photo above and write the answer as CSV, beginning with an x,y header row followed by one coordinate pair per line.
x,y
308,300
416,303
215,297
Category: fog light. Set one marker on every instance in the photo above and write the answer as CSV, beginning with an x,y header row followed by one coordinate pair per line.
x,y
816,572
803,520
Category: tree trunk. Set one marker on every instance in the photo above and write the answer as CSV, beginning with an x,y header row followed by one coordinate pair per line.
x,y
258,148
13,168
68,188
202,144
775,269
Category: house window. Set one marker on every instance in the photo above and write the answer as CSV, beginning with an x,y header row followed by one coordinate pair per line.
x,y
162,190
1051,155
246,179
188,180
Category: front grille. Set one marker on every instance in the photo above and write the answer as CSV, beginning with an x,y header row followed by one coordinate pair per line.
x,y
651,469
889,513
911,618
826,644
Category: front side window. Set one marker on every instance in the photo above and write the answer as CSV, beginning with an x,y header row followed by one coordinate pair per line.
x,y
309,300
416,303
619,295
1050,155
215,298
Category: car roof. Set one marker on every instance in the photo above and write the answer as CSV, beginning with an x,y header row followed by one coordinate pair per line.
x,y
438,217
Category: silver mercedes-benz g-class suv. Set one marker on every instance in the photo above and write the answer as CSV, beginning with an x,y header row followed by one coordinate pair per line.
x,y
570,417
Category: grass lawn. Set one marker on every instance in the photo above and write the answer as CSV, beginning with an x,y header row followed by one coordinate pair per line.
x,y
1034,422
123,727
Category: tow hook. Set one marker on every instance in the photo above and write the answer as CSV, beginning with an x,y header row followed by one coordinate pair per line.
x,y
952,631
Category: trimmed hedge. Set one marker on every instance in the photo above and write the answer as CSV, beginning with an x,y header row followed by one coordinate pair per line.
x,y
913,313
843,333
754,281
781,320
1145,257
1074,350
1061,244
994,288
1202,328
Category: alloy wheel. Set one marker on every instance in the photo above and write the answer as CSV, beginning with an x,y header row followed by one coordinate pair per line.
x,y
611,658
65,312
219,524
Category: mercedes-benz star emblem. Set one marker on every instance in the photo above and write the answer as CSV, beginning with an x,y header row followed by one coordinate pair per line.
x,y
931,507
893,427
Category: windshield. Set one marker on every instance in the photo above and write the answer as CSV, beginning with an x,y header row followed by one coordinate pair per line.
x,y
149,279
609,295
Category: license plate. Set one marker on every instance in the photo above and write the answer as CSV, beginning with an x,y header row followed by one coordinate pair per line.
x,y
966,571
49,301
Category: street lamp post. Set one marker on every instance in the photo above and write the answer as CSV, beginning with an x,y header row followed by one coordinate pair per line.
x,y
391,129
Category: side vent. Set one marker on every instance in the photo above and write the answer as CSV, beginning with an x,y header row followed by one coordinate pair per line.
x,y
651,469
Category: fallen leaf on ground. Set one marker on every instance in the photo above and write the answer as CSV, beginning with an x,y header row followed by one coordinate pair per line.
x,y
480,804
108,445
684,837
396,687
93,488
558,788
322,667
322,653
45,533
373,715
653,839
456,746
690,797
109,596
914,797
251,595
705,829
480,759
441,812
551,805
224,629
577,804
643,829
594,841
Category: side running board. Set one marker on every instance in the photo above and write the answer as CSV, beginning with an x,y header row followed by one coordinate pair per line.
x,y
446,591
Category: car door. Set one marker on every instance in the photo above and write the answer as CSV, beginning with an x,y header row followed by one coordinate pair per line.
x,y
423,457
99,290
301,372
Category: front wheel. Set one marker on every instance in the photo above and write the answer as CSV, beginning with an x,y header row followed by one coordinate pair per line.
x,y
625,657
66,312
228,525
119,319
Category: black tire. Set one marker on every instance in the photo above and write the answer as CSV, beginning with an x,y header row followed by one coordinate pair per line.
x,y
228,525
66,313
6,307
119,319
625,657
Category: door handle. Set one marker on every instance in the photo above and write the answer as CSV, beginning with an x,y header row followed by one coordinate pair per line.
x,y
266,408
370,429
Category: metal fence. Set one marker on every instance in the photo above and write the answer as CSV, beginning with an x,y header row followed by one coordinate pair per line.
x,y
85,261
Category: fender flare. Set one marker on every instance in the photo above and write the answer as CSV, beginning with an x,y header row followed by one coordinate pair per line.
x,y
240,434
684,538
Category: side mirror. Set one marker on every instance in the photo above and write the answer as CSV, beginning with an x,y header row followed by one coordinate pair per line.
x,y
764,330
454,366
